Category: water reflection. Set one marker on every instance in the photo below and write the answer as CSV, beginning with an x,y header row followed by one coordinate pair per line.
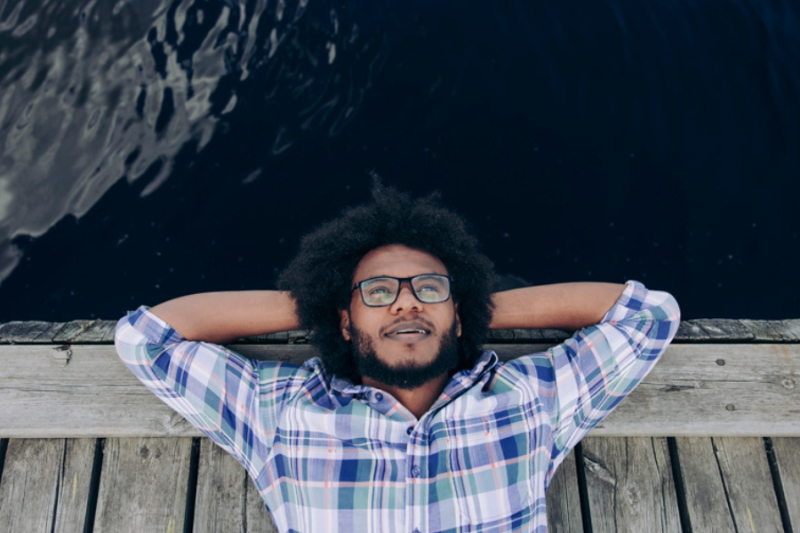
x,y
94,92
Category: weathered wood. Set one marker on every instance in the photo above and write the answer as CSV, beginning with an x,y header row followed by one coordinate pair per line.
x,y
751,495
220,503
222,485
33,331
774,330
75,481
714,389
528,335
787,456
99,331
30,484
299,336
697,330
723,330
563,499
630,486
143,486
74,329
257,517
728,485
706,502
696,390
94,395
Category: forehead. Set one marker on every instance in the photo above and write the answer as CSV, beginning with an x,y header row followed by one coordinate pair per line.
x,y
398,261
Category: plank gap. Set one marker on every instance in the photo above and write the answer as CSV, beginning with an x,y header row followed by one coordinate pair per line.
x,y
725,486
244,506
59,480
680,488
777,482
3,449
94,485
583,491
191,490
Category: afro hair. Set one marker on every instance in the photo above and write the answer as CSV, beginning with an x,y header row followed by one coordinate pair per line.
x,y
320,277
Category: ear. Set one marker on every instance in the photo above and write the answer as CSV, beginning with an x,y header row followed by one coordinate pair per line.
x,y
345,324
458,323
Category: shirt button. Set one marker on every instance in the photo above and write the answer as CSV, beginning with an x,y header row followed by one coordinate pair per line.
x,y
409,430
415,471
378,397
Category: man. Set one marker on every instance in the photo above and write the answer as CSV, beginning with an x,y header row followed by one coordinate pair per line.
x,y
404,424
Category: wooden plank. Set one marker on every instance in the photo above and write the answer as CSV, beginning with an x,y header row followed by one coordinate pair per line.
x,y
696,390
73,329
714,389
774,330
222,488
299,336
143,485
94,395
629,484
704,488
724,330
787,457
689,331
256,515
99,331
748,483
220,503
30,485
75,481
33,331
702,330
528,335
563,499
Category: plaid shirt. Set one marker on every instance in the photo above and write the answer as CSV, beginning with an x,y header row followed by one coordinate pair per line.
x,y
331,456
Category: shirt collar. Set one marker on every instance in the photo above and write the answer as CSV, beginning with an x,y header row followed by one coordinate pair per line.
x,y
466,379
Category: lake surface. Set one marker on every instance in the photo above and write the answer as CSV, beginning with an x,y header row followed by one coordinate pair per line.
x,y
153,149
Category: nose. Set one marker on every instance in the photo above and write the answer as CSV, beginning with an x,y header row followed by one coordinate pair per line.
x,y
406,299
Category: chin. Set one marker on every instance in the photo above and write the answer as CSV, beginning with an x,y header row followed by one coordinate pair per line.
x,y
405,370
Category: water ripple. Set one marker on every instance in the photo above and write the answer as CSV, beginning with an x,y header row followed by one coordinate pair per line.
x,y
93,92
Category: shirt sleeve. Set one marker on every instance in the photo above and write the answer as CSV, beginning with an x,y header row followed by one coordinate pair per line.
x,y
583,379
233,400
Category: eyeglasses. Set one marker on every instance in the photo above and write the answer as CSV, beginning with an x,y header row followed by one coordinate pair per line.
x,y
383,291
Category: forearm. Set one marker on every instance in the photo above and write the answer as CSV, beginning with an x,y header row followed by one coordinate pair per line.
x,y
221,317
562,305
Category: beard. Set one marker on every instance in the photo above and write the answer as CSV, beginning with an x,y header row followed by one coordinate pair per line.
x,y
409,375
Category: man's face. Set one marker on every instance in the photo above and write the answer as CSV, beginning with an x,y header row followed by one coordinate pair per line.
x,y
406,360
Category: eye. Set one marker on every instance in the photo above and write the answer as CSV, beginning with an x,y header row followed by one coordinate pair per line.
x,y
430,288
377,291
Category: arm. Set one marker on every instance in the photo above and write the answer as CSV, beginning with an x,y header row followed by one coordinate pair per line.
x,y
221,317
563,305
577,383
233,400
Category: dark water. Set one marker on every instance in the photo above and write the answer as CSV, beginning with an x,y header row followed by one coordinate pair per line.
x,y
149,150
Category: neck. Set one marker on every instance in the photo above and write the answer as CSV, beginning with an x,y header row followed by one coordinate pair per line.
x,y
418,400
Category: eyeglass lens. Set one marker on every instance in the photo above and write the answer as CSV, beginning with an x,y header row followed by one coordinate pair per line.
x,y
427,289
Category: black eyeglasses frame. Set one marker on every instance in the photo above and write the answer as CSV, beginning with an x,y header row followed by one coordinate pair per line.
x,y
400,286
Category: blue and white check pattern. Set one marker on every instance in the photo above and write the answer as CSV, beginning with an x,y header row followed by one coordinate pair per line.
x,y
331,456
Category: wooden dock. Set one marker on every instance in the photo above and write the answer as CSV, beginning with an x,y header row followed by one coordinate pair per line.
x,y
710,441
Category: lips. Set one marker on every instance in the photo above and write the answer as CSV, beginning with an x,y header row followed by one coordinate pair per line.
x,y
408,330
